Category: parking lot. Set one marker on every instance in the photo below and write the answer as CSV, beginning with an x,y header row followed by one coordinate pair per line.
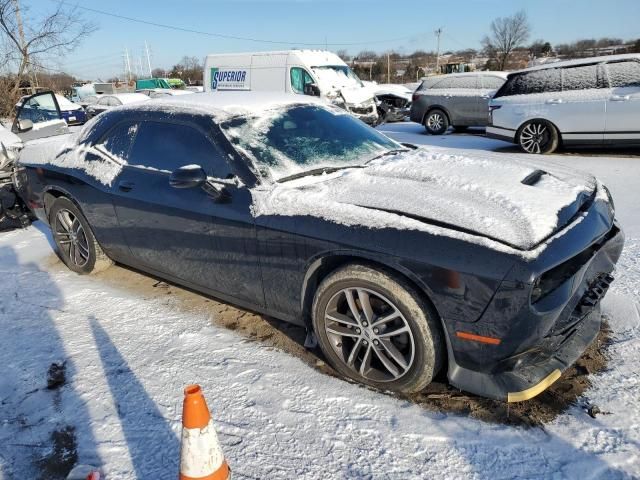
x,y
129,342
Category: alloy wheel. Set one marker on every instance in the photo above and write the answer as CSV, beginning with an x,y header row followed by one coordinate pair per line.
x,y
369,334
71,238
435,122
535,137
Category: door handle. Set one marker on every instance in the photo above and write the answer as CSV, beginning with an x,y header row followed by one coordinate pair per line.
x,y
554,101
125,186
620,98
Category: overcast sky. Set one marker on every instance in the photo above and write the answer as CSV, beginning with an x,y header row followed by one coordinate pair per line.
x,y
403,26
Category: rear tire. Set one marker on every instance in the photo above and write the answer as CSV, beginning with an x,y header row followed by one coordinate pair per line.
x,y
436,122
76,245
538,137
376,329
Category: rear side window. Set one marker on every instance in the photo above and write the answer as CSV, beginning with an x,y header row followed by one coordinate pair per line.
x,y
169,146
624,74
580,78
119,140
457,82
492,82
538,81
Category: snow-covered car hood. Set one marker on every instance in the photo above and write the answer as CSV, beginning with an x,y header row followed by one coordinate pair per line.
x,y
473,197
9,139
390,89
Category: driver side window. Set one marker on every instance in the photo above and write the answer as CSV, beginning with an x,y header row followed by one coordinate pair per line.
x,y
299,78
169,146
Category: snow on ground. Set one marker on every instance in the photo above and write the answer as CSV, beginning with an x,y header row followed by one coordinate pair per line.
x,y
128,358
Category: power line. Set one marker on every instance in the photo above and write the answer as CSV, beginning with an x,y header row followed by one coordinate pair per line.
x,y
229,37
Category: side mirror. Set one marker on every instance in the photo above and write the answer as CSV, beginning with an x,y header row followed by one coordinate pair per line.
x,y
312,89
189,176
24,125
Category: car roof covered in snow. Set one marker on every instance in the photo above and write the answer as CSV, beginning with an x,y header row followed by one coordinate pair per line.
x,y
226,103
128,97
475,73
581,61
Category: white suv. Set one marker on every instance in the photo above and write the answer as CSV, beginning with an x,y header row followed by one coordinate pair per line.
x,y
587,101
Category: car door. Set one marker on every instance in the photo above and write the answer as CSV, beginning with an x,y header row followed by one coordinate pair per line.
x,y
580,109
571,98
463,97
39,116
185,233
623,102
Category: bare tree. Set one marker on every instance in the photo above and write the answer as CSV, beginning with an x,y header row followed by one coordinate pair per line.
x,y
28,41
188,69
344,55
158,73
507,34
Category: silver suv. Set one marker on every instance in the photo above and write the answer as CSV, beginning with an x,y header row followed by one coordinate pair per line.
x,y
459,100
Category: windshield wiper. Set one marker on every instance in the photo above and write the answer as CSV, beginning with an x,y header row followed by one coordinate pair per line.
x,y
317,171
388,152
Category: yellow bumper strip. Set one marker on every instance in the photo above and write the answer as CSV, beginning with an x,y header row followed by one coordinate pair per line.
x,y
535,390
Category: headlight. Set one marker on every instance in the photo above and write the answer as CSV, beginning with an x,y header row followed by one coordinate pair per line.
x,y
610,198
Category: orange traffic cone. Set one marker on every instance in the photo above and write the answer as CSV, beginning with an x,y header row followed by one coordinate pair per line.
x,y
201,457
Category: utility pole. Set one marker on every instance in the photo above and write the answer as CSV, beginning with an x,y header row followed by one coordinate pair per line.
x,y
23,45
127,63
388,67
438,32
146,49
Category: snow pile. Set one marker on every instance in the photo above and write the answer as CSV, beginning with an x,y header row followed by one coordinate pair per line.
x,y
129,356
481,195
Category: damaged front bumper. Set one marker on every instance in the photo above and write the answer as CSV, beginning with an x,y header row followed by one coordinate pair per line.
x,y
542,341
367,113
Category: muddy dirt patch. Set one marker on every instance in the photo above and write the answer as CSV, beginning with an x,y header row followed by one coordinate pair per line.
x,y
438,396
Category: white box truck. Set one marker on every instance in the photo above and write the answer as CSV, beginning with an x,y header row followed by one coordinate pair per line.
x,y
304,72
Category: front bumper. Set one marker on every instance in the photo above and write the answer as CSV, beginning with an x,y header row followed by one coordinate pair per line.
x,y
368,114
397,114
541,341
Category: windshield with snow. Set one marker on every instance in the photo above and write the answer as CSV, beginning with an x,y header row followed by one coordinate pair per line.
x,y
299,138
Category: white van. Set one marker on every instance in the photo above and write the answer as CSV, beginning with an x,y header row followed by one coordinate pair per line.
x,y
305,72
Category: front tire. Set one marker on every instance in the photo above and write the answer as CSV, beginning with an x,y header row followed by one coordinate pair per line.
x,y
436,122
76,245
376,329
538,137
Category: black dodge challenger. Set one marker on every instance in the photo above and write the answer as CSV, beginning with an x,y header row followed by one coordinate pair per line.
x,y
399,261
